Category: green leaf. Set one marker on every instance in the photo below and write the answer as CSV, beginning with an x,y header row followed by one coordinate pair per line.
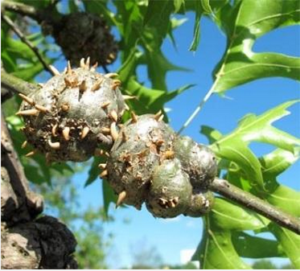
x,y
36,4
290,243
254,247
73,7
198,14
286,199
94,171
158,66
33,174
175,23
157,21
29,71
178,4
277,162
244,23
234,146
93,175
206,6
212,134
150,100
216,250
100,8
129,21
241,220
129,66
108,196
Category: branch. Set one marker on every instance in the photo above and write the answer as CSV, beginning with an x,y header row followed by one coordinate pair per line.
x,y
28,43
251,202
16,85
106,70
18,202
22,9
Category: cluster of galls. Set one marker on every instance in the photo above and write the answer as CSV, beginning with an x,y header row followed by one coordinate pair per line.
x,y
78,111
81,34
150,163
73,113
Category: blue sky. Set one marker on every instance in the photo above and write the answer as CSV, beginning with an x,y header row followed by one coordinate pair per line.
x,y
172,236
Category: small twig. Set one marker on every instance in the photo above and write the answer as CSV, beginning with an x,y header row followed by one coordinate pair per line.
x,y
197,110
249,201
22,9
27,42
16,85
105,69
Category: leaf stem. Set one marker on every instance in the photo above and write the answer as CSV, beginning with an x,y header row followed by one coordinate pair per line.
x,y
251,202
27,42
198,108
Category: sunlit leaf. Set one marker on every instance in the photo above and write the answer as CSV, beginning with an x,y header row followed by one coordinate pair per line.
x,y
206,6
290,243
234,146
286,199
216,250
212,134
150,100
94,171
108,196
178,4
243,23
277,162
198,14
157,21
158,66
255,247
242,219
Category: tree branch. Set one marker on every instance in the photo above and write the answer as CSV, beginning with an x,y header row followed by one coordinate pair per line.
x,y
27,204
22,9
249,201
28,43
16,85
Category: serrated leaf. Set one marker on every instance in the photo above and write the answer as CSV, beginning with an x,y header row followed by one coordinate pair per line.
x,y
216,250
206,6
286,199
212,134
73,7
157,21
243,23
242,219
150,100
175,23
128,67
33,174
108,196
178,4
100,7
94,171
255,247
290,243
198,14
234,146
29,71
158,66
277,162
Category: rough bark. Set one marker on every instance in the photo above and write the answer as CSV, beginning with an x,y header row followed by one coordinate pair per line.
x,y
27,241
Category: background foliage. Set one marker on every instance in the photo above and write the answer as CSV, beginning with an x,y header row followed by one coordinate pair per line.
x,y
141,27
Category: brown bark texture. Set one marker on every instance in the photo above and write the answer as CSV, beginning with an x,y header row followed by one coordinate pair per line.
x,y
29,240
